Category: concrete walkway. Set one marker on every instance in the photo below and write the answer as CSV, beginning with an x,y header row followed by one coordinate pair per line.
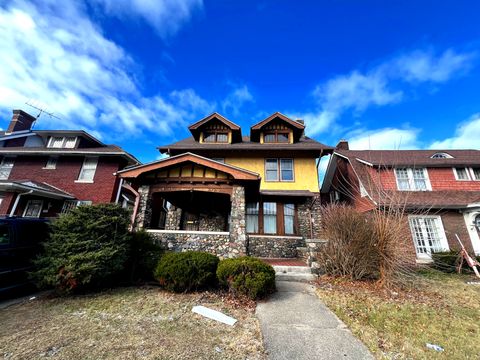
x,y
297,325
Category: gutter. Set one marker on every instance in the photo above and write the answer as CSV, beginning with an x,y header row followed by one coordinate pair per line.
x,y
17,200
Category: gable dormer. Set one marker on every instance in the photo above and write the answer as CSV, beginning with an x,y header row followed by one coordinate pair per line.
x,y
277,128
216,129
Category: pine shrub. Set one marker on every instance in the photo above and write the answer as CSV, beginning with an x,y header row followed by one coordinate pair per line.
x,y
87,249
247,276
144,256
187,271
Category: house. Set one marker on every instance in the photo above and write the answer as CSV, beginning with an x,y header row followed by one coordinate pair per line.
x,y
47,172
229,194
439,189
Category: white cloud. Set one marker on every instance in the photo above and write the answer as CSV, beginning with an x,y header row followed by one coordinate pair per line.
x,y
382,85
466,136
165,16
236,99
383,139
83,76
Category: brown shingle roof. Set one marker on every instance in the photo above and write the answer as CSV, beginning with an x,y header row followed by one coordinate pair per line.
x,y
304,143
414,157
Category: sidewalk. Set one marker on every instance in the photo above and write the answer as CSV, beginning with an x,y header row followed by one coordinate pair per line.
x,y
297,325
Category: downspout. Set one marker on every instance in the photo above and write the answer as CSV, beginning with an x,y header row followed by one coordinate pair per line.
x,y
119,191
17,200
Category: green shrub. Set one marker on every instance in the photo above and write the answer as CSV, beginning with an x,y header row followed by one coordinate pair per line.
x,y
144,256
446,261
187,271
247,276
87,249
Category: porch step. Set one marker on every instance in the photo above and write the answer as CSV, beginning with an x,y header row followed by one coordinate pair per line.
x,y
293,273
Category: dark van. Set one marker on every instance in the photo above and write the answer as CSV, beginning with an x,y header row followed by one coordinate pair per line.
x,y
20,243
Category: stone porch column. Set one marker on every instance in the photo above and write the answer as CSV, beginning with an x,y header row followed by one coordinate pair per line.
x,y
144,212
238,235
174,217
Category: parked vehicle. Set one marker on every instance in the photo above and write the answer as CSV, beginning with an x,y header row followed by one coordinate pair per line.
x,y
20,242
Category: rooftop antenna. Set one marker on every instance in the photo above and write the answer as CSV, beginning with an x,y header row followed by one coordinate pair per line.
x,y
42,109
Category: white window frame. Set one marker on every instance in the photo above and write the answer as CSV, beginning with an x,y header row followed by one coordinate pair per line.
x,y
65,140
442,237
69,205
7,169
81,178
411,180
468,171
51,163
27,206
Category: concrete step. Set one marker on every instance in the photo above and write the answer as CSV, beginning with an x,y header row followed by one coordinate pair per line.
x,y
296,277
281,269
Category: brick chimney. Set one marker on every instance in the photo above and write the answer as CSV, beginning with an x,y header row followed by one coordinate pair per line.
x,y
342,145
21,121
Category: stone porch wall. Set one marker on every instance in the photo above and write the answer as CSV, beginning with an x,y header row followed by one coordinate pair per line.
x,y
309,218
217,243
274,246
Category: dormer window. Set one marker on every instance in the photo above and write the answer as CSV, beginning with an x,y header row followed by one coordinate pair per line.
x,y
276,137
215,137
62,142
441,156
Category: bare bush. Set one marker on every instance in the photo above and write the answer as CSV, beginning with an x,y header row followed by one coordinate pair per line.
x,y
364,245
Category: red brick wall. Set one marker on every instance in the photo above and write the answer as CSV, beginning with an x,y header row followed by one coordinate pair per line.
x,y
102,190
454,223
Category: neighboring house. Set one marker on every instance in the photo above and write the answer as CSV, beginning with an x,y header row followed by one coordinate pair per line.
x,y
440,190
230,194
46,172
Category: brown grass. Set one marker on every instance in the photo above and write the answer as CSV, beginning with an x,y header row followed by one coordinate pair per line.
x,y
442,310
128,323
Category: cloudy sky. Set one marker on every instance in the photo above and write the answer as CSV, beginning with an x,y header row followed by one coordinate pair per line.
x,y
136,73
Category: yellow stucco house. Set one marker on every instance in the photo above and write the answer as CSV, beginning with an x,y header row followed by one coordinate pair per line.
x,y
229,194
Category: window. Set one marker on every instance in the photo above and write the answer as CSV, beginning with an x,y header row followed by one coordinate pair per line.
x,y
33,208
467,173
276,137
51,163
477,222
428,235
221,137
252,218
270,218
4,234
412,179
69,205
289,218
274,172
6,167
60,142
441,156
87,173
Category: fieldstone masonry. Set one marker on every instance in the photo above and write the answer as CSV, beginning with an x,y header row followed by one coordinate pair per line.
x,y
274,246
144,212
238,232
174,217
309,218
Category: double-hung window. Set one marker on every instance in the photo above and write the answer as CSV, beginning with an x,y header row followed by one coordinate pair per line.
x,y
412,179
65,142
467,173
289,218
270,218
279,170
6,167
33,208
87,173
252,217
428,235
51,163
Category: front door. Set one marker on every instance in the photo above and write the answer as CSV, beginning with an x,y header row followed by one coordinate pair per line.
x,y
190,221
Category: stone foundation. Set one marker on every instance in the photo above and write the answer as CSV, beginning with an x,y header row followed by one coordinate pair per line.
x,y
217,243
310,218
274,246
309,252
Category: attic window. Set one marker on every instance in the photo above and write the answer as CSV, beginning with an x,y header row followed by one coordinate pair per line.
x,y
275,137
60,142
442,156
220,137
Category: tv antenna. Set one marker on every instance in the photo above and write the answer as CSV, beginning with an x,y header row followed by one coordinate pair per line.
x,y
42,109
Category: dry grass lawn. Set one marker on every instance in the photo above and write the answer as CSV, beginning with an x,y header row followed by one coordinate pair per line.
x,y
128,323
442,310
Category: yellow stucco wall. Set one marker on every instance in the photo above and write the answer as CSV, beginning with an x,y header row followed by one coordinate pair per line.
x,y
305,173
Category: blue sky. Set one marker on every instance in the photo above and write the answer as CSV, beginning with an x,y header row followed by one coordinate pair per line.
x,y
396,74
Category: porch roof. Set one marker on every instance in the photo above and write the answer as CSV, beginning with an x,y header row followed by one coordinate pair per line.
x,y
35,188
236,172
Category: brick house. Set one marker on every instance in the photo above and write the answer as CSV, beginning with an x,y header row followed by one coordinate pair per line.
x,y
440,190
230,194
46,172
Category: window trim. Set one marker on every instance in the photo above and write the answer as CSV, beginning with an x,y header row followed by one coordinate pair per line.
x,y
27,205
275,133
54,167
411,179
442,235
279,169
2,165
215,133
64,142
469,171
